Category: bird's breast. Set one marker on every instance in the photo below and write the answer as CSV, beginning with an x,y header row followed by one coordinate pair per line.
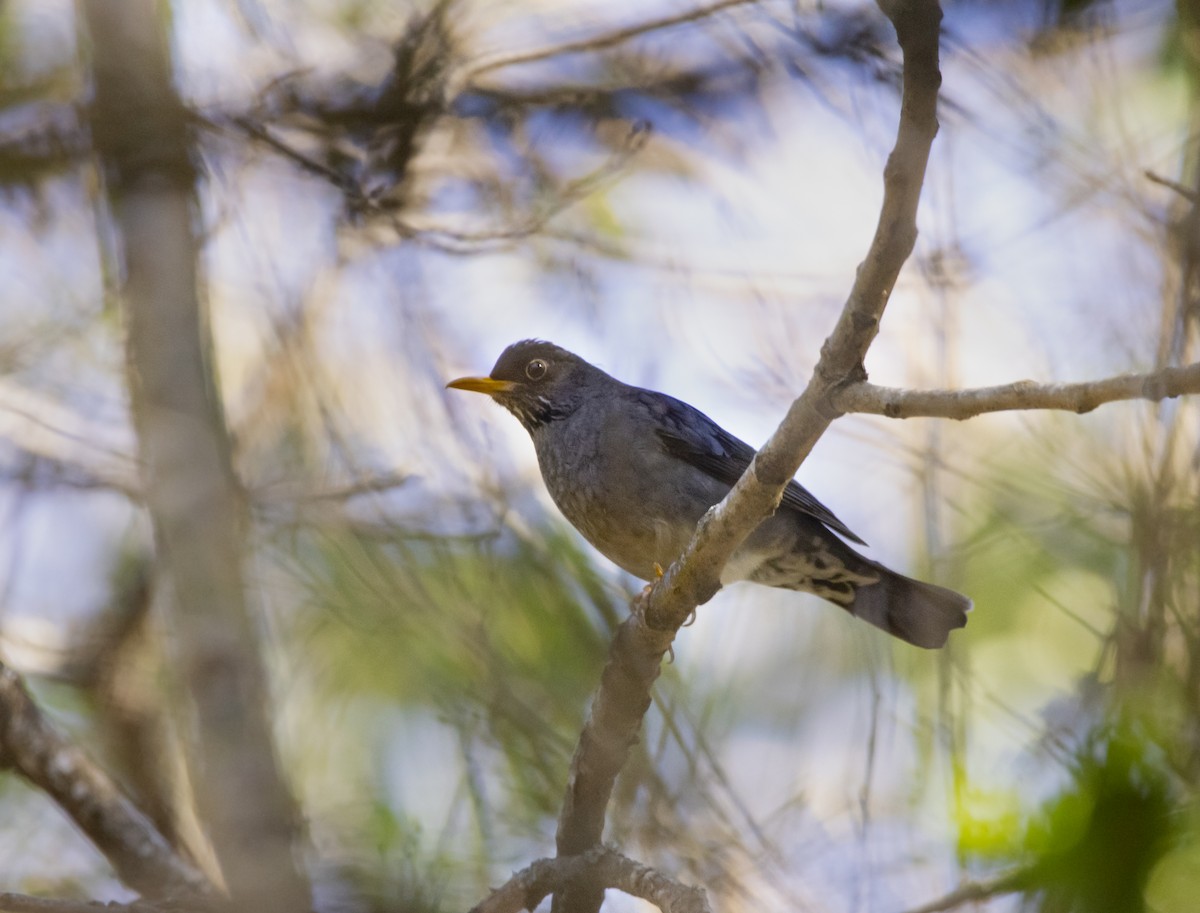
x,y
624,498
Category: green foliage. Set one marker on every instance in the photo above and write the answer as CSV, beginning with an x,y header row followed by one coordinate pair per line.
x,y
501,641
1179,52
455,614
392,879
1174,884
1091,579
1096,843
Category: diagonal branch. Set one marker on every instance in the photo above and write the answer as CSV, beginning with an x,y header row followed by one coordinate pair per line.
x,y
1022,394
139,854
695,577
635,657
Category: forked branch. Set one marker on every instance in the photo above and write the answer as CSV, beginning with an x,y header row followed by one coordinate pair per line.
x,y
527,888
637,651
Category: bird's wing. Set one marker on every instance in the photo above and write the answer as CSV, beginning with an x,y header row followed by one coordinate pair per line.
x,y
690,435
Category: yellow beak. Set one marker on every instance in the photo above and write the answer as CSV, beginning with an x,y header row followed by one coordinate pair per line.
x,y
482,385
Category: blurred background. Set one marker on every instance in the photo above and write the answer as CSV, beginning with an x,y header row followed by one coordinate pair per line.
x,y
390,193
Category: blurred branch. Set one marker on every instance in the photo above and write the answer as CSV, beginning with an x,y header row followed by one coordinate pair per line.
x,y
142,139
120,665
353,192
641,641
139,854
570,193
975,891
442,237
526,889
592,43
1183,190
1083,397
49,142
23,903
302,492
49,429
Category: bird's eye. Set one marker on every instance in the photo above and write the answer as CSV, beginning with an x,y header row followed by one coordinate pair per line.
x,y
536,369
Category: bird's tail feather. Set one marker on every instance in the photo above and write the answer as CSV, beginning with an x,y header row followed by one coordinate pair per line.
x,y
794,551
923,614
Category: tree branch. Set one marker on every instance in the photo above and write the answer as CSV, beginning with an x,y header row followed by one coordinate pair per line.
x,y
1184,191
695,577
51,430
140,855
1082,397
974,891
586,45
142,137
607,868
637,650
23,903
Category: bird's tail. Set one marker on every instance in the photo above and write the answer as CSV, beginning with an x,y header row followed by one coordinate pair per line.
x,y
923,614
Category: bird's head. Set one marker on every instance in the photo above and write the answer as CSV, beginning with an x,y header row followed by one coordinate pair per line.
x,y
536,381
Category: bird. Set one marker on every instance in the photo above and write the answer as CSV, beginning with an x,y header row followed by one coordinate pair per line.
x,y
634,470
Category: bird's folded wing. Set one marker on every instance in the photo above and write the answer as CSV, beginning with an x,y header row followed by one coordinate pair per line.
x,y
690,435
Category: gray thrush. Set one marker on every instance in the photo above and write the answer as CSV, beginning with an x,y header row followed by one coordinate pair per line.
x,y
634,471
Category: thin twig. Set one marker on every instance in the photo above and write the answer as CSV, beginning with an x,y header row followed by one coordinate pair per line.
x,y
288,492
466,242
342,182
593,43
53,431
974,891
1024,395
1182,189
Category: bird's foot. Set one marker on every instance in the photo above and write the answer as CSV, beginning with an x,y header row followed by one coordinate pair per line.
x,y
690,620
658,575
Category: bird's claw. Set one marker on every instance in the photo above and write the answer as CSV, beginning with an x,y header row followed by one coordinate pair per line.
x,y
690,620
